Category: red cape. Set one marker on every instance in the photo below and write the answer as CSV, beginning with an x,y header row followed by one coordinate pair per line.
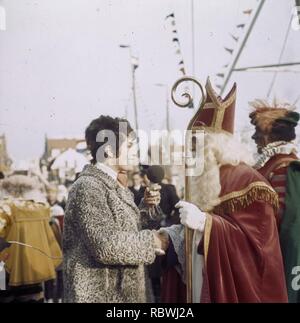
x,y
243,261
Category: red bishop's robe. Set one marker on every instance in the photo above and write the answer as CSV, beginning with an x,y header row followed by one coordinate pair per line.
x,y
240,244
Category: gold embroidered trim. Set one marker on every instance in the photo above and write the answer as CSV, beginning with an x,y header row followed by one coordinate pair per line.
x,y
256,191
212,93
217,100
212,129
207,232
219,117
230,100
245,190
220,105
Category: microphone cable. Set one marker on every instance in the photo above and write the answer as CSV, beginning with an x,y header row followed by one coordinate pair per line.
x,y
35,248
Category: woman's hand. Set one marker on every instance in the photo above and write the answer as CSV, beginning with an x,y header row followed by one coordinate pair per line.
x,y
152,195
161,241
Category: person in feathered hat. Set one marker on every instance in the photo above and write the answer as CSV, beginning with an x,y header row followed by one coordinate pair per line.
x,y
274,136
236,251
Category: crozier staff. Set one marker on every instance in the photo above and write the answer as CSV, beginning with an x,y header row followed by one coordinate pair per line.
x,y
105,248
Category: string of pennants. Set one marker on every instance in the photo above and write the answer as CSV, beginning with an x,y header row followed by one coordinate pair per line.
x,y
175,39
178,52
230,49
235,36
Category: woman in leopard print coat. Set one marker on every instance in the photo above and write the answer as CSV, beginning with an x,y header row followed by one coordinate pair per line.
x,y
105,249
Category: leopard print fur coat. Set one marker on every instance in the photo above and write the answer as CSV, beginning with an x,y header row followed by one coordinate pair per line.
x,y
105,249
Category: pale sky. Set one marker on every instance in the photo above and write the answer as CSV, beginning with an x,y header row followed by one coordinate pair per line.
x,y
61,65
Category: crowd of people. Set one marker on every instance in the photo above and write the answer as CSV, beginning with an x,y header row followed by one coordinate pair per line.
x,y
102,240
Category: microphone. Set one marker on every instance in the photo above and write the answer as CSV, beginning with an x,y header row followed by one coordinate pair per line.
x,y
155,174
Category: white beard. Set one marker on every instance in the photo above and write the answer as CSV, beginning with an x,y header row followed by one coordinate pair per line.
x,y
220,149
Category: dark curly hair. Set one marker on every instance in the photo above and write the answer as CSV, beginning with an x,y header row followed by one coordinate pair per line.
x,y
109,124
283,130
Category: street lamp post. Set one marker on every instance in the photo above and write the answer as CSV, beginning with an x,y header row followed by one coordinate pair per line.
x,y
134,66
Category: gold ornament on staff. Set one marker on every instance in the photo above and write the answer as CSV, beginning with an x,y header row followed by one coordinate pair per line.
x,y
187,194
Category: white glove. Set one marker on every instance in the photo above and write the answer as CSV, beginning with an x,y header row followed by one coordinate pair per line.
x,y
191,216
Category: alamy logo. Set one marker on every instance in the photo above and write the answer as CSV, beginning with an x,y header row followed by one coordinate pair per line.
x,y
296,279
2,18
295,24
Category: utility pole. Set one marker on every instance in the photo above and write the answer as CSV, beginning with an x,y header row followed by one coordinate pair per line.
x,y
265,68
167,110
134,65
133,68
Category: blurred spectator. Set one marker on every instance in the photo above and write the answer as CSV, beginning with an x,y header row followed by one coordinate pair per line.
x,y
1,178
24,217
169,199
56,207
137,188
54,287
62,195
52,194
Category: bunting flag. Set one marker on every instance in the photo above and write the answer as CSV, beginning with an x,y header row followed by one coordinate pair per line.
x,y
234,37
175,40
135,62
248,11
181,67
171,15
191,105
182,70
229,50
